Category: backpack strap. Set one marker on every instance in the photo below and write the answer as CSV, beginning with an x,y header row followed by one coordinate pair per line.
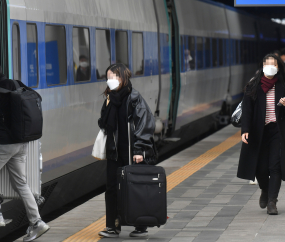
x,y
5,91
16,84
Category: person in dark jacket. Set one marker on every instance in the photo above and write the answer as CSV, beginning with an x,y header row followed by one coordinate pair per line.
x,y
124,105
83,71
263,131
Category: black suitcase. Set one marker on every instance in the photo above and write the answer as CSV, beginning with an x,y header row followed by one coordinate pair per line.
x,y
141,193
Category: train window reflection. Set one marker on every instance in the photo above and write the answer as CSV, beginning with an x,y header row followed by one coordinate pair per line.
x,y
221,53
122,47
214,52
55,43
232,52
208,52
190,54
81,54
237,52
200,52
182,53
103,52
16,52
242,53
32,55
137,50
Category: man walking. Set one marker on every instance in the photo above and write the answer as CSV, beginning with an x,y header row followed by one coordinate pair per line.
x,y
14,156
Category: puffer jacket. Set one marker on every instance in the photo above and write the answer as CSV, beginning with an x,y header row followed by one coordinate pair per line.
x,y
142,126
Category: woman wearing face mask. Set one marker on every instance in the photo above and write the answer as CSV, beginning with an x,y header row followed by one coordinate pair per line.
x,y
263,131
124,105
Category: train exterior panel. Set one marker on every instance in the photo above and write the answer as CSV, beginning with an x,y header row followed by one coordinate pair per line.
x,y
189,58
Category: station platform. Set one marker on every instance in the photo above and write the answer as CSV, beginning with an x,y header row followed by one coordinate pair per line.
x,y
206,202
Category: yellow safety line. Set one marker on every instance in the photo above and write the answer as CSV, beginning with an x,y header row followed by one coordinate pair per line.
x,y
90,233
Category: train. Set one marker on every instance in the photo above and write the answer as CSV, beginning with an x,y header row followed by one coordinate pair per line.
x,y
190,60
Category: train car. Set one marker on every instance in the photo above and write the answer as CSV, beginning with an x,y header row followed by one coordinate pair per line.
x,y
189,59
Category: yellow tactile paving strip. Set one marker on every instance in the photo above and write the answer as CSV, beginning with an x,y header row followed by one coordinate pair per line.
x,y
90,233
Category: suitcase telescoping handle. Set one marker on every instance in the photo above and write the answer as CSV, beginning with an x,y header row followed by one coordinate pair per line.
x,y
129,136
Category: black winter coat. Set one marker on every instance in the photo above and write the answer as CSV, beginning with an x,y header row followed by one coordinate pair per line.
x,y
142,126
253,122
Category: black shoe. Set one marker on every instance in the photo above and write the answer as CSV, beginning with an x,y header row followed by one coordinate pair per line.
x,y
137,233
110,233
271,206
263,200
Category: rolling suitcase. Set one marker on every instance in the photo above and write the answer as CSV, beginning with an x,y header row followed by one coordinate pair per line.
x,y
141,195
33,169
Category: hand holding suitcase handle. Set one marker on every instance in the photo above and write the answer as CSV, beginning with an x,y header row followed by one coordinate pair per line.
x,y
138,158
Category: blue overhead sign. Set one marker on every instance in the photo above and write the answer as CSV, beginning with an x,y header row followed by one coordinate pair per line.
x,y
256,3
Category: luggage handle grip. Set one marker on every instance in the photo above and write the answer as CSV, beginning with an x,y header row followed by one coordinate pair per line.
x,y
130,147
129,137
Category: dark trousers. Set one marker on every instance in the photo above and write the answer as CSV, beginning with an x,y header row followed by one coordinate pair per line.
x,y
111,189
268,171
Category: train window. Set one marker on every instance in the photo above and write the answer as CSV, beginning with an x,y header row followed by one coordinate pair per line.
x,y
16,52
191,53
214,52
200,52
103,52
55,54
242,56
182,53
81,54
137,51
227,51
207,52
252,51
221,53
232,51
122,47
32,55
244,52
237,52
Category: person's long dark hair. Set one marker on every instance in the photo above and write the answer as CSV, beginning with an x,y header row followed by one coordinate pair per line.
x,y
121,71
251,87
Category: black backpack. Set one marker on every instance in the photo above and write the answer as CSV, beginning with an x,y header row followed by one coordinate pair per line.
x,y
26,114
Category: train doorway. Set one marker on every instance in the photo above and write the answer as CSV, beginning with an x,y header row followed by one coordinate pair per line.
x,y
3,38
175,49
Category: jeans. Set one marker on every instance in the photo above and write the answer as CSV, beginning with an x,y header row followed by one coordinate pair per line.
x,y
111,189
14,156
269,161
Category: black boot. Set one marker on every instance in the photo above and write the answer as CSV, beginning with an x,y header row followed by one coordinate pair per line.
x,y
271,206
263,200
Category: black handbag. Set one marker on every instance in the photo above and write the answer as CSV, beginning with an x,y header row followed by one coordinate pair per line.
x,y
236,116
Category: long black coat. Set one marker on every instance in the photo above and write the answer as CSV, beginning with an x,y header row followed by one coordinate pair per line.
x,y
253,122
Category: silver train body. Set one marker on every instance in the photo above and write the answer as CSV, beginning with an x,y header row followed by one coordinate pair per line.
x,y
183,89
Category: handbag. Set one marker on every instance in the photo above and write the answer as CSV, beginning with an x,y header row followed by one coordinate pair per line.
x,y
99,148
236,116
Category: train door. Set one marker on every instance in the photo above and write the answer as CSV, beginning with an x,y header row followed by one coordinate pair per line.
x,y
3,37
174,101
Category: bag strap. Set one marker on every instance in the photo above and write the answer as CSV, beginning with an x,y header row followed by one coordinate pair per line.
x,y
16,84
5,91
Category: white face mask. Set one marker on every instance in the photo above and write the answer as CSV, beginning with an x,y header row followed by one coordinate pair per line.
x,y
113,84
84,64
270,70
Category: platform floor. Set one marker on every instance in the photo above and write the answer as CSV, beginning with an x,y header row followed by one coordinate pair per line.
x,y
206,202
